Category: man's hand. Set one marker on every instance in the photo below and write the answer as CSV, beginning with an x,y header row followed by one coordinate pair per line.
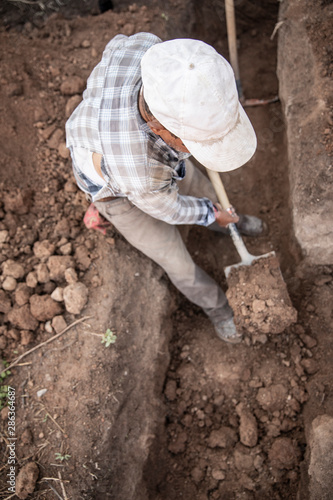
x,y
223,218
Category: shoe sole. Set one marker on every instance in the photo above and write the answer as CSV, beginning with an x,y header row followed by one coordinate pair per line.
x,y
231,340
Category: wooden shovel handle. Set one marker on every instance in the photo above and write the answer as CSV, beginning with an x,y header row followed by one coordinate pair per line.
x,y
222,196
219,188
232,38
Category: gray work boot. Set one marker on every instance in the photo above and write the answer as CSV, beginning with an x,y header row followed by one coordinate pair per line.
x,y
226,330
250,225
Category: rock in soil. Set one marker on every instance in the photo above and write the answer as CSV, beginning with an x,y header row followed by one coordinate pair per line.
x,y
5,302
259,297
43,307
13,269
75,297
26,480
22,318
225,437
321,461
248,429
272,398
284,454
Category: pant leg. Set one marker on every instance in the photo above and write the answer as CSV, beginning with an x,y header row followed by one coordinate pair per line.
x,y
195,183
163,244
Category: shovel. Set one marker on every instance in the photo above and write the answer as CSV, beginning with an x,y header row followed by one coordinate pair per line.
x,y
263,305
246,257
232,44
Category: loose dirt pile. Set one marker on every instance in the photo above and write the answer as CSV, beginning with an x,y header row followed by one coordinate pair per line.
x,y
259,298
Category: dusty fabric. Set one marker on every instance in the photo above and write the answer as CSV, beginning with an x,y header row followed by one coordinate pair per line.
x,y
136,163
163,244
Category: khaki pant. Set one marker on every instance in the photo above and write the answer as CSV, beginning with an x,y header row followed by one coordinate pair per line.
x,y
163,244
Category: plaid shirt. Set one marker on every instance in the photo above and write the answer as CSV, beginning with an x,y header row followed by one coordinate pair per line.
x,y
136,163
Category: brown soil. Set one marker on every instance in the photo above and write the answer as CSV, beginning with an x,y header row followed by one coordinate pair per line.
x,y
259,297
228,420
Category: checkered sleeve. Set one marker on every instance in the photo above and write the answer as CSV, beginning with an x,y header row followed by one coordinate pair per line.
x,y
168,205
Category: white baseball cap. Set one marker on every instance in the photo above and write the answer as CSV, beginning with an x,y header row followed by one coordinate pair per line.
x,y
191,90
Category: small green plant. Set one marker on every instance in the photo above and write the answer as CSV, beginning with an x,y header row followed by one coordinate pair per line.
x,y
3,388
165,16
61,457
109,338
3,372
3,396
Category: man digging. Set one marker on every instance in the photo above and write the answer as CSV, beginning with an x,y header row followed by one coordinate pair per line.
x,y
150,105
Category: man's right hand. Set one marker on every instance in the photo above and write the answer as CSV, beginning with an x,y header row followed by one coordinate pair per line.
x,y
223,217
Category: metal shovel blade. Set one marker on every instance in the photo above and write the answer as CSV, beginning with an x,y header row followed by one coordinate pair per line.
x,y
246,257
228,269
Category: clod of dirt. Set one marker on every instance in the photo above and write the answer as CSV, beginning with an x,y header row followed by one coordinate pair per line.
x,y
43,307
75,297
31,279
82,258
22,294
70,275
43,275
21,317
178,444
57,265
62,227
26,480
247,482
71,104
5,302
272,398
243,461
197,474
218,474
26,337
310,366
248,429
18,202
225,437
4,236
43,249
73,85
259,297
59,323
9,284
12,269
58,294
284,454
56,138
170,390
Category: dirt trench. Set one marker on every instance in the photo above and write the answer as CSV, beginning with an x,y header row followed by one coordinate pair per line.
x,y
167,410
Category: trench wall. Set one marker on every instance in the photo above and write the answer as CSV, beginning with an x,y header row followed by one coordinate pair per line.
x,y
305,91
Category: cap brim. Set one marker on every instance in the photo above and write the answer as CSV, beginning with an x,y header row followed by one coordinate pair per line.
x,y
232,151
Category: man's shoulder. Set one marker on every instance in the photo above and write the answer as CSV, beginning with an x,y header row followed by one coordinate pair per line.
x,y
142,39
121,61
